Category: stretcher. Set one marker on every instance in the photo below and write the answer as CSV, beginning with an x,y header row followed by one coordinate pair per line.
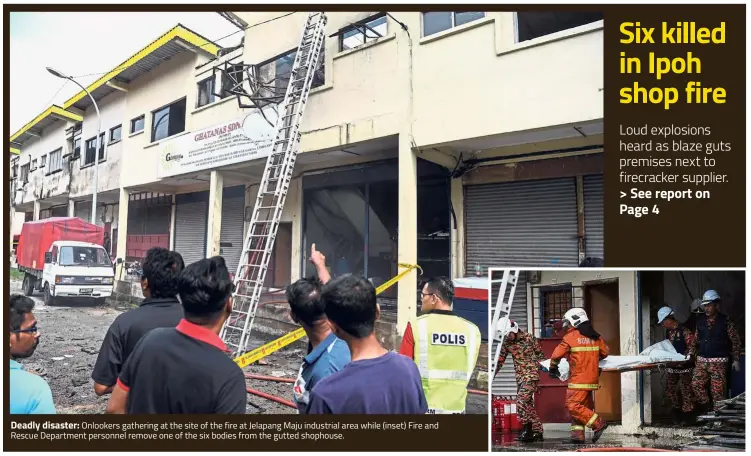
x,y
657,356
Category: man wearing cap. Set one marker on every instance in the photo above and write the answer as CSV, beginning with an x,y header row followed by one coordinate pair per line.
x,y
678,389
716,343
526,352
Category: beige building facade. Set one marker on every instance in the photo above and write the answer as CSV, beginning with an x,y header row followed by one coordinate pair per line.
x,y
456,141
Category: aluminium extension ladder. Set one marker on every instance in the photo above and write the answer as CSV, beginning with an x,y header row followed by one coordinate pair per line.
x,y
502,309
272,193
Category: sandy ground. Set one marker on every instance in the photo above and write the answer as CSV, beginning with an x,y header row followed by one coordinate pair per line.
x,y
72,333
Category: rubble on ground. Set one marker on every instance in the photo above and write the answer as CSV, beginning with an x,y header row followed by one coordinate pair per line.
x,y
725,427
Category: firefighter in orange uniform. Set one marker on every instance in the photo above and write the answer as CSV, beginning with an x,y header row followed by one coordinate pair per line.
x,y
584,348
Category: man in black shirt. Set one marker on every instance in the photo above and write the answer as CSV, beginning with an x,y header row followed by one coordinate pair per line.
x,y
159,309
186,369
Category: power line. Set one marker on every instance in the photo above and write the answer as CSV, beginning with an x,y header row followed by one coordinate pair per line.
x,y
197,47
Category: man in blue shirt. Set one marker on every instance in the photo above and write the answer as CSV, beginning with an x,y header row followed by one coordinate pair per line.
x,y
29,393
376,381
326,352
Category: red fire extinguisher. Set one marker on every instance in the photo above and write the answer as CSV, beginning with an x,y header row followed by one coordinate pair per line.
x,y
505,416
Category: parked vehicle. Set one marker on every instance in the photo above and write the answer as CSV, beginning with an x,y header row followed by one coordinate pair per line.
x,y
63,257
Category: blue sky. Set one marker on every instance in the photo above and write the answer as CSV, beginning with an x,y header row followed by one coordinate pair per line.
x,y
83,43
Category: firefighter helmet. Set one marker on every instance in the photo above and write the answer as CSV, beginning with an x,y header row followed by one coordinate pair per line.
x,y
575,317
664,313
506,326
709,297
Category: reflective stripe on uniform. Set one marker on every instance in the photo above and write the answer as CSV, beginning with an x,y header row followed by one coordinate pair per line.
x,y
592,420
584,349
577,428
422,329
584,386
437,374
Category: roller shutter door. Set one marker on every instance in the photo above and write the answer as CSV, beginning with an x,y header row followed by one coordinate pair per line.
x,y
231,238
191,220
530,223
594,216
504,384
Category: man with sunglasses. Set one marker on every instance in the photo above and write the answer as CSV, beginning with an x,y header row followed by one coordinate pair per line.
x,y
159,309
29,393
444,346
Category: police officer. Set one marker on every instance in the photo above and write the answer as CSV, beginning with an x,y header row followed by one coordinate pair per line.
x,y
526,353
444,346
716,343
678,388
584,348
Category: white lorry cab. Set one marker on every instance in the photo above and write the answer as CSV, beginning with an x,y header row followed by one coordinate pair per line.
x,y
74,269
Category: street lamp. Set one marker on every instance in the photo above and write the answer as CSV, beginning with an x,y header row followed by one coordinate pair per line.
x,y
60,75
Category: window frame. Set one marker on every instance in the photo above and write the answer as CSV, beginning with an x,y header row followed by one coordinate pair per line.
x,y
24,178
50,168
212,97
365,28
43,161
549,36
86,148
133,122
168,107
544,293
112,130
453,21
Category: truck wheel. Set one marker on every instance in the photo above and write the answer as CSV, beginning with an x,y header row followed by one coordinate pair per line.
x,y
49,300
28,284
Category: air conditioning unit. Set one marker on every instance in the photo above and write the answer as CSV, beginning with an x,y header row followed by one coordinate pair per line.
x,y
534,277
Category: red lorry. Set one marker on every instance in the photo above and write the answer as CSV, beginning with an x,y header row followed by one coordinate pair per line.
x,y
64,257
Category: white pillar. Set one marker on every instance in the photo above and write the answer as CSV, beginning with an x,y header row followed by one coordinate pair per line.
x,y
457,232
122,231
213,234
407,241
37,209
71,208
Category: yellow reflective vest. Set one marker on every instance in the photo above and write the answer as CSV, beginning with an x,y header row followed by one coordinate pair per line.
x,y
446,350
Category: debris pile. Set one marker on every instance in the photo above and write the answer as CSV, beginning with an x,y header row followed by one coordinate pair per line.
x,y
725,427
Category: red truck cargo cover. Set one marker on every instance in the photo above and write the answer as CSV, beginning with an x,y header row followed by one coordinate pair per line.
x,y
37,237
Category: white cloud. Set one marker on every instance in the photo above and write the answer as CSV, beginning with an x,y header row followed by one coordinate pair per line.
x,y
81,43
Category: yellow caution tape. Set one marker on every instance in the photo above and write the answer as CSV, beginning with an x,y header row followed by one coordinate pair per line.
x,y
265,350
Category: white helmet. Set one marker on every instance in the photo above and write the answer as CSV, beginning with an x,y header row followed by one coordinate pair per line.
x,y
506,326
664,313
575,317
696,306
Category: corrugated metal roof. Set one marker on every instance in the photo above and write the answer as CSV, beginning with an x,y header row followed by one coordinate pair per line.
x,y
168,45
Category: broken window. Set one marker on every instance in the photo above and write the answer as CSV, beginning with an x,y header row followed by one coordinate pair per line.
x,y
137,124
554,302
205,92
363,32
115,133
531,25
34,164
231,77
43,161
25,173
274,76
168,121
434,22
90,154
56,160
